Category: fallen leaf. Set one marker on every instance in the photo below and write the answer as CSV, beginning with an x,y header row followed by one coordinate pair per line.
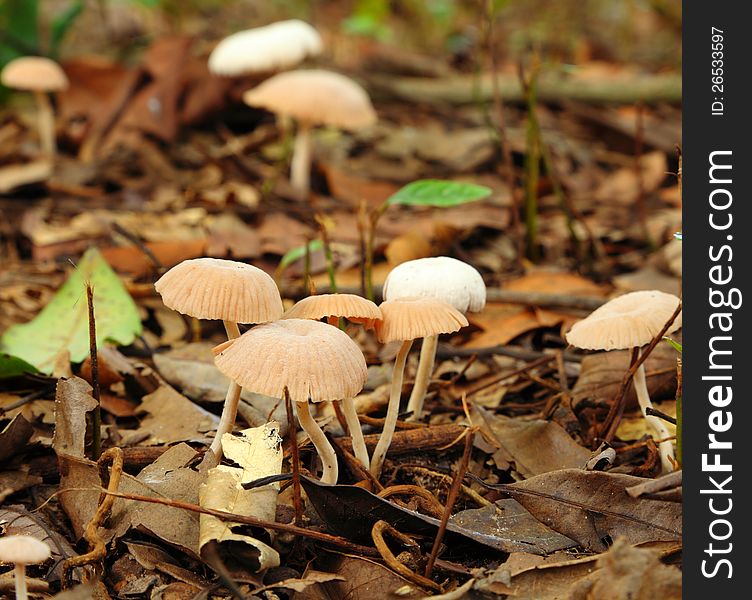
x,y
592,507
73,400
257,453
171,417
14,437
133,261
63,323
534,446
629,573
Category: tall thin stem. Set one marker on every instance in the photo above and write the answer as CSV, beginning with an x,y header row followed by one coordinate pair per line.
x,y
422,377
46,124
356,433
390,423
322,445
232,399
660,431
300,165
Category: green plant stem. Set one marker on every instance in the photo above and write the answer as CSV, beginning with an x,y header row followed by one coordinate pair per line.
x,y
329,256
373,221
679,421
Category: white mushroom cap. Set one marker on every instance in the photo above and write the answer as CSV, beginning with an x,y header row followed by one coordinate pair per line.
x,y
23,550
441,277
628,321
34,74
274,47
315,96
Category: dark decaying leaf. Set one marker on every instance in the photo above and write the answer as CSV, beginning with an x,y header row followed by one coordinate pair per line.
x,y
14,437
509,520
593,507
351,512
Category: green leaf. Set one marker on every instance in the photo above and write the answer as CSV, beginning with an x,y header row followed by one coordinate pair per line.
x,y
435,192
12,366
297,253
677,346
64,324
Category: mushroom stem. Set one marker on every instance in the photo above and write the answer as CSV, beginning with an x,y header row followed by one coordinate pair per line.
x,y
392,411
659,428
46,123
322,445
356,433
230,409
20,577
300,165
422,377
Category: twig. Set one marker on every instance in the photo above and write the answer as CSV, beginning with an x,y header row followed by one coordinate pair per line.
x,y
651,486
451,500
319,536
96,433
294,460
650,411
377,533
97,548
425,498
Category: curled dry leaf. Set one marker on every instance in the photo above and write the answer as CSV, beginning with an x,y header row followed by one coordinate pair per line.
x,y
258,453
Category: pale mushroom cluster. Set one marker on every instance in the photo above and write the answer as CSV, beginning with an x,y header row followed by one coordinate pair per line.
x,y
299,355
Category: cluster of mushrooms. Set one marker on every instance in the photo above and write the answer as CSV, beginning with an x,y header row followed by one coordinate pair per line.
x,y
295,353
310,97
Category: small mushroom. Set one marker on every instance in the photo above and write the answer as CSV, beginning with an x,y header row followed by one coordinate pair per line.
x,y
22,550
312,97
405,320
626,322
38,75
273,47
354,309
313,360
443,278
212,288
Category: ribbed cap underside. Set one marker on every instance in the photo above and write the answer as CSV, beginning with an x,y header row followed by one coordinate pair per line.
x,y
413,318
314,360
212,288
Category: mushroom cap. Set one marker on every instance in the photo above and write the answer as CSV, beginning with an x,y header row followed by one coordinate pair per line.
x,y
313,360
315,96
412,318
628,321
273,47
23,550
440,277
212,288
35,74
352,307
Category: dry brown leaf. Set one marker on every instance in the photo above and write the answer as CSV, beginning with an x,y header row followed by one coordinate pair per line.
x,y
171,417
73,400
534,446
167,477
591,507
231,237
408,246
629,573
133,261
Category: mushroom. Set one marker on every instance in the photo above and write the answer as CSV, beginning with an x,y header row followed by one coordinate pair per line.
x,y
312,97
273,47
626,322
38,75
405,320
22,550
354,309
443,278
212,288
312,360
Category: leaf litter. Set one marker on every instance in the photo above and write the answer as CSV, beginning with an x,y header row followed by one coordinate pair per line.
x,y
134,192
